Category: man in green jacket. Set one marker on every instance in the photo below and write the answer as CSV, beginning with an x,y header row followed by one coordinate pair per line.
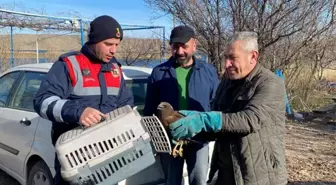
x,y
248,119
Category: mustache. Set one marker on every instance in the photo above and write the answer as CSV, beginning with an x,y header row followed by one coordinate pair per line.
x,y
179,56
231,68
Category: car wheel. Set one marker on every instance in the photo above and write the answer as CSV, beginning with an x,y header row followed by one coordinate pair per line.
x,y
40,174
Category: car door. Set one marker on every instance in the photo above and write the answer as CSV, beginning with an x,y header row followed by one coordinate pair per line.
x,y
7,84
19,121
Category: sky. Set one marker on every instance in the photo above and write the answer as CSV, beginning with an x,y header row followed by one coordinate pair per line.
x,y
125,11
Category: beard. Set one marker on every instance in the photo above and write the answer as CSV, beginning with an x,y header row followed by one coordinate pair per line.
x,y
100,56
180,59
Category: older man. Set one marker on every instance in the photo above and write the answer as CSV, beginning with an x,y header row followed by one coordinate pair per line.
x,y
248,120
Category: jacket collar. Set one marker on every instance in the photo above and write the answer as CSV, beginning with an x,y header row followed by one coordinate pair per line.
x,y
171,63
89,54
105,66
253,73
248,80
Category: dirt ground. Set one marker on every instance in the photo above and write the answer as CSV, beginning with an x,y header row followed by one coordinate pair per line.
x,y
310,152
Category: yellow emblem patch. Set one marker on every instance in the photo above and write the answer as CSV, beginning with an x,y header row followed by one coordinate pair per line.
x,y
118,33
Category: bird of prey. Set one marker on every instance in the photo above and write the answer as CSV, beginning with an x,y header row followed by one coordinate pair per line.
x,y
167,115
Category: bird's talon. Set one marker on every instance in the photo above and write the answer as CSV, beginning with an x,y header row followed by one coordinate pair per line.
x,y
178,150
181,149
175,150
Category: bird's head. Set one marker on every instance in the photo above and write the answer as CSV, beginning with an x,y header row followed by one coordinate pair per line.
x,y
164,106
165,109
166,114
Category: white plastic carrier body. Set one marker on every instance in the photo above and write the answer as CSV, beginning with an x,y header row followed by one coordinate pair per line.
x,y
113,150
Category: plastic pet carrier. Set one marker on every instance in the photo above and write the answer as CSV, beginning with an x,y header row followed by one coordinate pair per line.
x,y
113,150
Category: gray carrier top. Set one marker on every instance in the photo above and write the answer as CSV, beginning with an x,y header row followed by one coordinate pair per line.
x,y
113,150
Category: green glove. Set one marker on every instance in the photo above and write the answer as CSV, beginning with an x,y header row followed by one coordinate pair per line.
x,y
194,123
188,112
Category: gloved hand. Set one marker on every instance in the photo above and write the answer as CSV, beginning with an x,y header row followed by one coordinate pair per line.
x,y
188,112
194,123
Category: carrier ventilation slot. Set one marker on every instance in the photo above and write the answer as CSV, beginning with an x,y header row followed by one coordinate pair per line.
x,y
157,133
88,152
105,172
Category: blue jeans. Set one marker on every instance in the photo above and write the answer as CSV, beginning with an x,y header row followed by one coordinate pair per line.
x,y
197,159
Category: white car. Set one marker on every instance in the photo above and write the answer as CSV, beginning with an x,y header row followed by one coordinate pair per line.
x,y
26,151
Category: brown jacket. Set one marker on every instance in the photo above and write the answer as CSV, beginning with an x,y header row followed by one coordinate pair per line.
x,y
251,142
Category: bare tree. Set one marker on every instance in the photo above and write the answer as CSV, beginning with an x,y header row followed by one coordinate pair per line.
x,y
296,36
135,50
208,18
273,20
319,55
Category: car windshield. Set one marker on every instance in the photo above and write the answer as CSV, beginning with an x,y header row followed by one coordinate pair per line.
x,y
138,87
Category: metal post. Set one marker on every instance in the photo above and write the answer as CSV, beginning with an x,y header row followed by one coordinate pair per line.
x,y
163,43
82,31
12,45
37,52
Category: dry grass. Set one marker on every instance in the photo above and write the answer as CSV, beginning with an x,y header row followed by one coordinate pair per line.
x,y
46,42
311,153
330,74
64,43
306,92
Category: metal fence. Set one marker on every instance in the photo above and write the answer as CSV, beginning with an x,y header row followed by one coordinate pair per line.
x,y
31,38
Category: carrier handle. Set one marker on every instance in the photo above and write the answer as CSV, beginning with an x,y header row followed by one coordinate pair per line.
x,y
101,120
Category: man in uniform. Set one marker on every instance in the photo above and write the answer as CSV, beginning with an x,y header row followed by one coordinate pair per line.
x,y
81,87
